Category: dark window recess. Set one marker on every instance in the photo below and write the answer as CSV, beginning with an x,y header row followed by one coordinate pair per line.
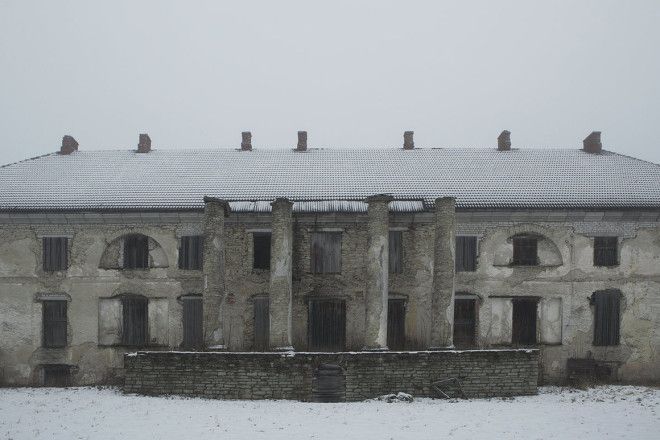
x,y
606,251
327,325
55,253
607,305
136,251
396,324
54,324
261,324
193,323
524,321
56,375
191,252
261,250
134,321
396,252
466,254
525,251
465,322
326,252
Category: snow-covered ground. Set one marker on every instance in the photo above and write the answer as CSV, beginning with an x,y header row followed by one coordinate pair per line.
x,y
81,413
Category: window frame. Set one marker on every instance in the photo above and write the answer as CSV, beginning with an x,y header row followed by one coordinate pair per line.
x,y
193,333
188,258
130,257
53,326
318,263
395,252
52,259
459,265
129,339
515,339
602,248
602,337
519,246
259,260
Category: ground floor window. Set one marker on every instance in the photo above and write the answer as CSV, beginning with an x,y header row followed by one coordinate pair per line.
x,y
524,321
134,321
607,305
396,324
193,322
326,325
261,323
465,322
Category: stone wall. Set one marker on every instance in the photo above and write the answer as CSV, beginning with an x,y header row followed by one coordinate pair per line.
x,y
227,375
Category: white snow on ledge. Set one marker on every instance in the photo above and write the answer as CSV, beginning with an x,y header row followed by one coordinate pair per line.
x,y
556,413
333,353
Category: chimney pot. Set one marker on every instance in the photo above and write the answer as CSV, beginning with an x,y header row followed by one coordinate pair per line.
x,y
592,144
408,142
246,142
504,141
144,144
302,141
69,145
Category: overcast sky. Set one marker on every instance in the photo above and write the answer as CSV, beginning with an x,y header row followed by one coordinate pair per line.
x,y
351,73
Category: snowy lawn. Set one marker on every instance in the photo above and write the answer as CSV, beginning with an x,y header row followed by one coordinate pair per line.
x,y
81,413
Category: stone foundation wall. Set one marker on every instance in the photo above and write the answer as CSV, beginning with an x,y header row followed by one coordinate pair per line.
x,y
227,375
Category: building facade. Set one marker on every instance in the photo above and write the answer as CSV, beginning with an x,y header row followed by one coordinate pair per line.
x,y
103,253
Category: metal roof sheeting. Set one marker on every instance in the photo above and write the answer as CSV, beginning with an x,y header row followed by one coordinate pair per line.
x,y
329,180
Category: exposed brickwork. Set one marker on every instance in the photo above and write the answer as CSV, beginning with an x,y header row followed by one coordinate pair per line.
x,y
483,373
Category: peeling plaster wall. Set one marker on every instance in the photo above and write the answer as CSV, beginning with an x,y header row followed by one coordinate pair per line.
x,y
564,281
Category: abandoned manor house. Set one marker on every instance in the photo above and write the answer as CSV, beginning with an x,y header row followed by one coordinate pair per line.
x,y
247,272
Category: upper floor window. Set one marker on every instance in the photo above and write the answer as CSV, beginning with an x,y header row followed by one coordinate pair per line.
x,y
396,252
55,253
261,250
325,254
191,251
607,304
136,251
466,253
54,323
525,251
606,251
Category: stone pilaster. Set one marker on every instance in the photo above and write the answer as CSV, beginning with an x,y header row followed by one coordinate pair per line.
x,y
215,211
376,292
281,256
442,301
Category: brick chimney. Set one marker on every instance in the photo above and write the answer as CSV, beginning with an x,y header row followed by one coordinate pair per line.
x,y
592,143
302,141
504,141
69,145
408,142
246,142
144,145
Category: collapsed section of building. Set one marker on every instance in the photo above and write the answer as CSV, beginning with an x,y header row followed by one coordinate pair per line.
x,y
314,250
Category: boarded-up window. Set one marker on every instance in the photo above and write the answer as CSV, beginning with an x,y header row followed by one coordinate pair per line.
x,y
326,252
56,375
606,251
523,330
54,323
261,323
327,325
465,322
134,321
525,251
466,253
396,324
193,333
191,252
261,250
396,252
607,305
136,251
55,253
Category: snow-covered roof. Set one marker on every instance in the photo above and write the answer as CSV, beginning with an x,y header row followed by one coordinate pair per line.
x,y
329,179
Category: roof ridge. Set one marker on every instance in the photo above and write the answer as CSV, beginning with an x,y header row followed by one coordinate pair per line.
x,y
27,160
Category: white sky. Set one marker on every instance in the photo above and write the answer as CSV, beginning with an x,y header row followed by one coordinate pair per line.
x,y
352,73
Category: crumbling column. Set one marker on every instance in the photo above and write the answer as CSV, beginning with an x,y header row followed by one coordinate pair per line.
x,y
281,250
215,211
376,292
442,301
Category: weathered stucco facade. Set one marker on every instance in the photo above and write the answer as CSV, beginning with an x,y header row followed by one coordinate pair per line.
x,y
562,282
